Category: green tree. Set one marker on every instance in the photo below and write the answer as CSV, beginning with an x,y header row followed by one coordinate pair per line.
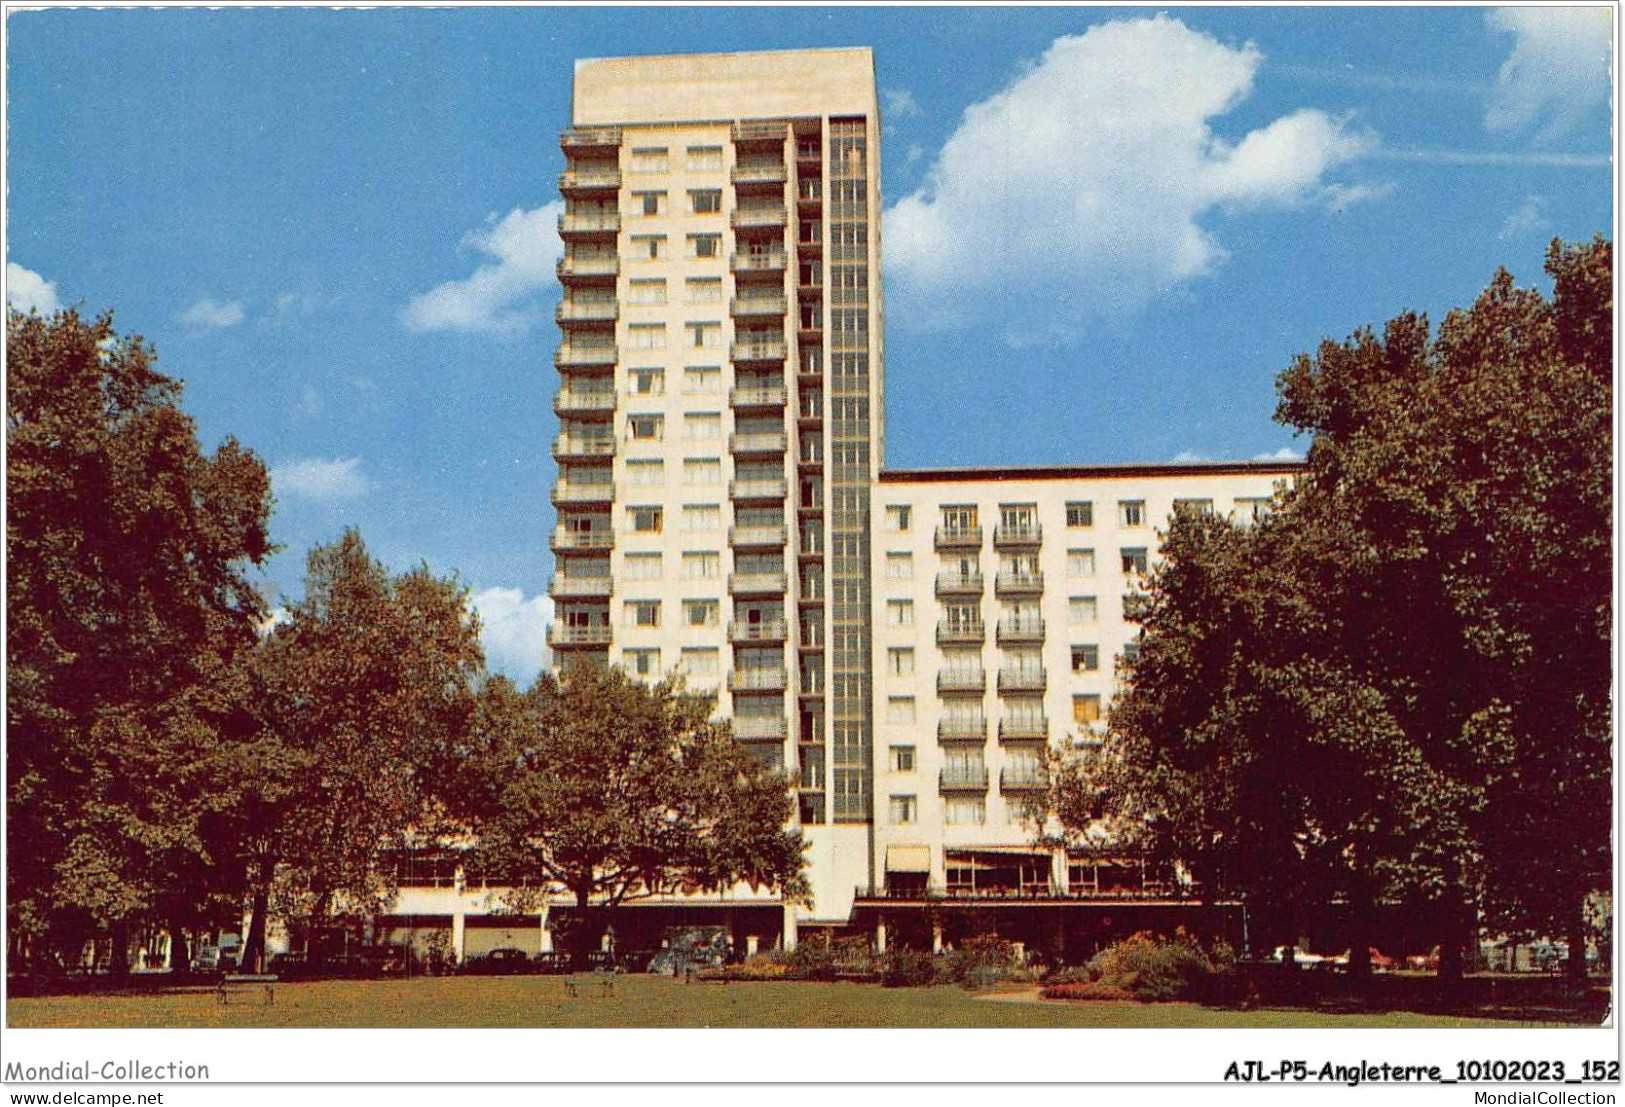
x,y
617,790
365,693
128,605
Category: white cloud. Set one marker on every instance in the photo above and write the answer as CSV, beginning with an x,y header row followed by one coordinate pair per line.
x,y
1528,218
1557,72
314,478
209,314
500,296
1081,184
1285,453
1513,158
513,630
1186,457
898,103
27,291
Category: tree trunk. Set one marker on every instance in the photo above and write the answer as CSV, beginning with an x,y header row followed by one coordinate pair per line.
x,y
1577,943
1451,941
588,928
1359,932
254,941
180,952
119,958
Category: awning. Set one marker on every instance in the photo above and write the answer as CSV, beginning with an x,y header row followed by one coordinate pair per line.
x,y
908,859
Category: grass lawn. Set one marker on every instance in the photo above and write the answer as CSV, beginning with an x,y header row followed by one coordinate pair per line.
x,y
647,1001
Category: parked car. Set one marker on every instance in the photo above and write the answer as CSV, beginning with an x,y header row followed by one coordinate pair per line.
x,y
499,962
550,964
210,959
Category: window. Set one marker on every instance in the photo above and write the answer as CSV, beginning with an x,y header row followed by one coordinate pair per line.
x,y
1080,513
642,566
958,520
701,613
1080,563
705,201
1134,559
650,159
700,518
965,811
1082,610
702,565
704,290
1085,659
648,382
699,662
903,810
646,336
1131,652
1086,709
901,759
701,379
648,247
900,709
643,663
897,518
899,566
1131,513
646,292
645,427
899,613
702,471
649,203
645,520
1022,812
900,661
643,613
704,159
1198,507
1252,508
702,425
704,336
646,474
704,245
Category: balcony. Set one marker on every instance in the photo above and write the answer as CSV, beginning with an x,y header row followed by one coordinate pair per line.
x,y
1023,780
580,588
769,349
758,537
758,172
753,307
568,402
963,778
758,217
1022,680
562,637
768,630
758,680
569,492
968,633
959,584
759,261
958,538
582,541
1020,630
958,729
759,730
760,132
757,584
1017,537
587,311
775,489
1012,583
810,193
569,447
1024,728
590,138
589,224
571,356
589,180
588,270
962,680
758,442
756,396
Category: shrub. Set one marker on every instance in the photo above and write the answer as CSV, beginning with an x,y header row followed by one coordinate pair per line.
x,y
1151,968
1082,989
907,968
763,966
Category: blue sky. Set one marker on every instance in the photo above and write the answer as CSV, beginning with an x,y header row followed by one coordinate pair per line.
x,y
334,226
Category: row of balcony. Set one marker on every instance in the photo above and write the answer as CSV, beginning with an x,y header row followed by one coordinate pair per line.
x,y
587,311
580,492
759,442
774,489
589,224
1020,728
973,631
569,401
573,356
568,447
1007,582
751,307
582,541
975,779
597,178
970,537
767,630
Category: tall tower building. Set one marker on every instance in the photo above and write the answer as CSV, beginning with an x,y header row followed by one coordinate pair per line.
x,y
721,407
